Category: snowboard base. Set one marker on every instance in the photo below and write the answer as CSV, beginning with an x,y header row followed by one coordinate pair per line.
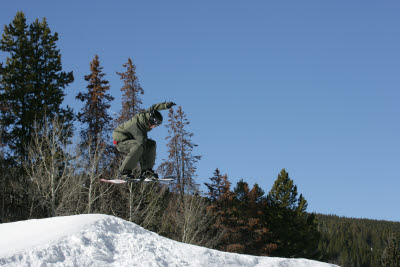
x,y
136,180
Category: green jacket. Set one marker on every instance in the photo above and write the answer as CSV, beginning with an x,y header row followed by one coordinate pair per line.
x,y
138,126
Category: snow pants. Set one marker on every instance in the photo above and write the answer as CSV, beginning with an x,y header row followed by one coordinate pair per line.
x,y
135,152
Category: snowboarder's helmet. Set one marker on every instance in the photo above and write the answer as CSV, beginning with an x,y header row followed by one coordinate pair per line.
x,y
155,117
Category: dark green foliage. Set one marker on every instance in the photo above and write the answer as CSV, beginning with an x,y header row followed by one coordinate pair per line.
x,y
284,194
32,87
32,82
258,225
293,230
239,216
354,242
250,234
13,199
391,253
97,102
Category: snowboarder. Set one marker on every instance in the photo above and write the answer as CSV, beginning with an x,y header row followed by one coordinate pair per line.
x,y
130,138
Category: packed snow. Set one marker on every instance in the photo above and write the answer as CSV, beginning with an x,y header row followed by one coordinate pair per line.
x,y
102,240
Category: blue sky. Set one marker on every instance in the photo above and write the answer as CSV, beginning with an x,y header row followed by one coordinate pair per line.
x,y
309,86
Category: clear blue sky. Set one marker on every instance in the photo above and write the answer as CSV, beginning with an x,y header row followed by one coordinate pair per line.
x,y
310,86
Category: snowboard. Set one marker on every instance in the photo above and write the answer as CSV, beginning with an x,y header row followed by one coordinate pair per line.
x,y
136,180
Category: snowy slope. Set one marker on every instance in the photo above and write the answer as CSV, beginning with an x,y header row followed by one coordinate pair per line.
x,y
101,240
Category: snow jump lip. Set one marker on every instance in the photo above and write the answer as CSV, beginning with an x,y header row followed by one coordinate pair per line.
x,y
21,235
102,240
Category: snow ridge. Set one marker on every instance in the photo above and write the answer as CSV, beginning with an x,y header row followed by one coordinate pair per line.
x,y
102,240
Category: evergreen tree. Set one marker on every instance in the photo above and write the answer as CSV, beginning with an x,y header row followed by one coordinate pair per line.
x,y
391,254
50,80
98,125
32,87
218,187
185,205
132,90
294,231
31,82
220,199
96,103
353,242
239,216
284,193
181,161
131,105
250,233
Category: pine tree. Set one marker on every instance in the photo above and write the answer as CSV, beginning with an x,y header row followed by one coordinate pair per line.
x,y
98,125
284,193
250,232
239,216
391,254
220,199
96,104
239,230
186,207
32,87
181,161
132,90
218,187
32,82
49,78
365,240
294,231
131,105
15,85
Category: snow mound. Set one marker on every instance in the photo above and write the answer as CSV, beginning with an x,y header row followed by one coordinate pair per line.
x,y
101,240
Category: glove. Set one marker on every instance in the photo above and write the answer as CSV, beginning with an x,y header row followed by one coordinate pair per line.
x,y
170,104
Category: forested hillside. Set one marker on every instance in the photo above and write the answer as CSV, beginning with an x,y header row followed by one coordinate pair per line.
x,y
354,242
43,173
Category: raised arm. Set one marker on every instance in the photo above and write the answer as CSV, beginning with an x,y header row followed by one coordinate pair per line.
x,y
162,106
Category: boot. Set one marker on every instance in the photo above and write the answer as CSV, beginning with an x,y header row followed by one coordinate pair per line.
x,y
149,174
126,175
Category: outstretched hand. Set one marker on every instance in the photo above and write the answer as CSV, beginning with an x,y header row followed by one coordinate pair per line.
x,y
170,104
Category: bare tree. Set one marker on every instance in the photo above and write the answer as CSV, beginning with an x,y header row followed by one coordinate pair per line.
x,y
190,220
93,166
197,221
49,163
82,189
187,211
146,202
